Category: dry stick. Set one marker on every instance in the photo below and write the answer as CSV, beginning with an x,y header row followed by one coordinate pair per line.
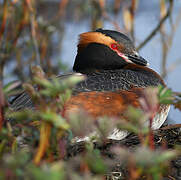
x,y
165,50
175,64
171,127
96,21
166,44
62,7
4,18
163,34
132,10
58,17
35,43
61,12
106,17
20,26
2,103
33,32
2,31
149,37
117,5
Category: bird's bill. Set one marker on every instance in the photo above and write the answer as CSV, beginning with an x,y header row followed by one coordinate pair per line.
x,y
138,60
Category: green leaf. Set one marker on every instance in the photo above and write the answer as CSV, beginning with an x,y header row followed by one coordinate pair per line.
x,y
165,95
96,162
55,119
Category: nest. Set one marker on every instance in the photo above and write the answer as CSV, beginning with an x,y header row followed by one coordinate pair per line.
x,y
169,137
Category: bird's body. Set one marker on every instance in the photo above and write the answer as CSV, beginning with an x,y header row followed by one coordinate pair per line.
x,y
116,76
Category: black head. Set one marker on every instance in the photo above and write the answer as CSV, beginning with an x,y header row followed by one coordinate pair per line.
x,y
105,49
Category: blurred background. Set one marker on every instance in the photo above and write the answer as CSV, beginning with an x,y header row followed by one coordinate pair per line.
x,y
45,32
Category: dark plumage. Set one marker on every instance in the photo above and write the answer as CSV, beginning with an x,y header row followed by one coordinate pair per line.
x,y
119,79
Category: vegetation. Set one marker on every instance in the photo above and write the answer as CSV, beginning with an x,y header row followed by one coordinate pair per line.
x,y
41,144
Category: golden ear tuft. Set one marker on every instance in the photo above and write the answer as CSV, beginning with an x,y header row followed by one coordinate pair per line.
x,y
94,37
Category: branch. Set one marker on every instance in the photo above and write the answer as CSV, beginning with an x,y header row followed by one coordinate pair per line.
x,y
33,32
149,37
4,18
172,126
173,66
2,103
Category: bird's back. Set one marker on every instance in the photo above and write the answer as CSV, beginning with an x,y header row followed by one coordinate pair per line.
x,y
105,80
120,79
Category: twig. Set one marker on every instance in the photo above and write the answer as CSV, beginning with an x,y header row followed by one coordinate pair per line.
x,y
2,103
21,25
171,127
33,32
151,35
2,32
96,17
165,50
62,7
132,10
170,40
173,66
4,18
115,24
35,40
106,17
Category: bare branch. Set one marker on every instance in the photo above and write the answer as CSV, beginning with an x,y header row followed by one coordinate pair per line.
x,y
172,126
4,18
2,103
151,35
33,32
173,66
167,45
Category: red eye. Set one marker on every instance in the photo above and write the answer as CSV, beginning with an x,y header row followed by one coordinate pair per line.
x,y
114,46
